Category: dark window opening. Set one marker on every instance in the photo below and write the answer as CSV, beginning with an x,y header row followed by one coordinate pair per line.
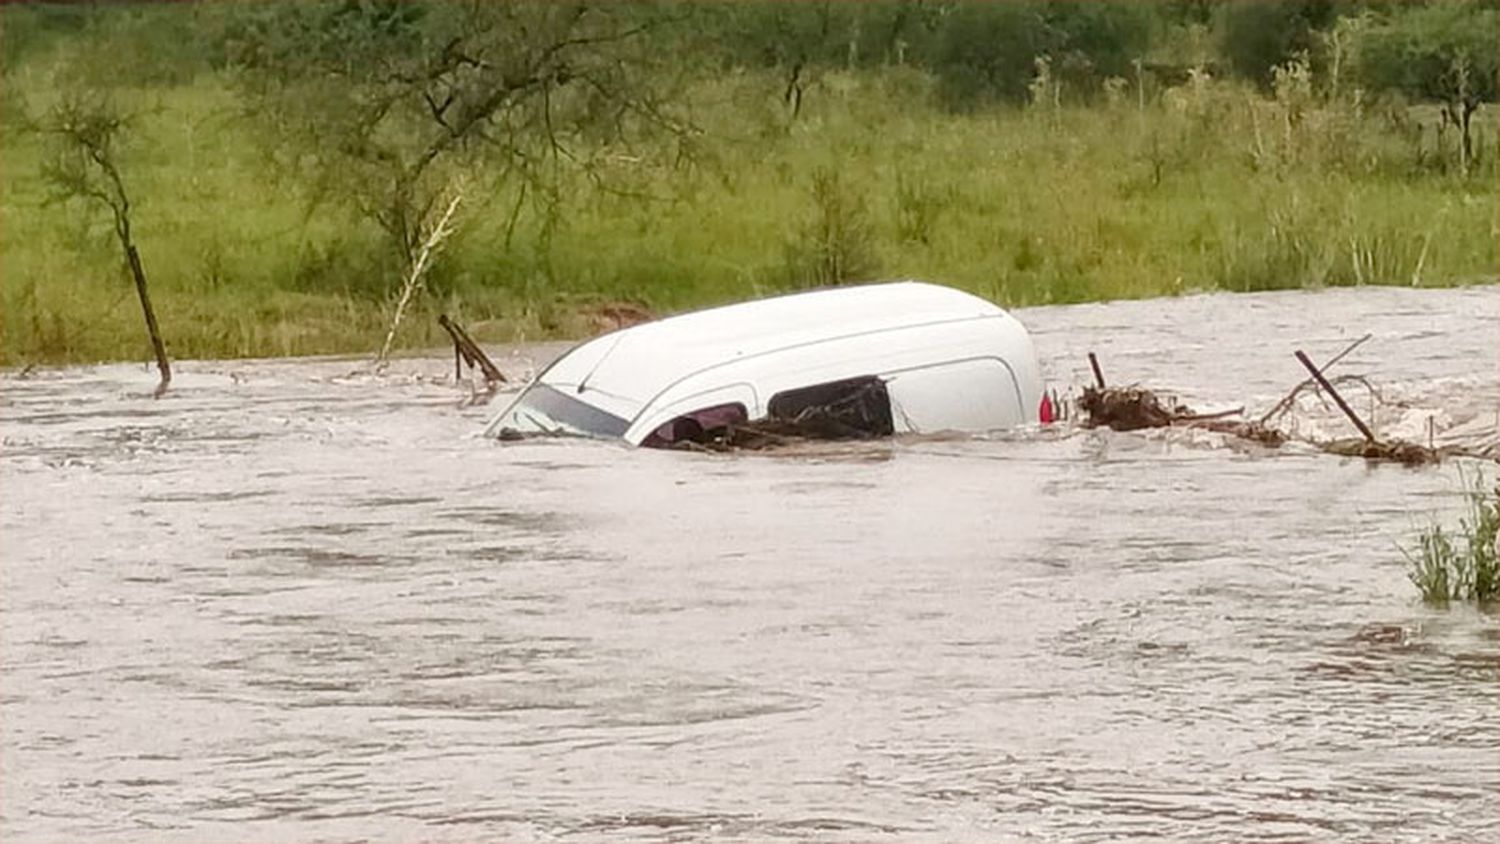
x,y
851,409
854,408
701,426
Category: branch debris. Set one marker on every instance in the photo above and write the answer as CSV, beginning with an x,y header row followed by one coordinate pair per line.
x,y
1134,408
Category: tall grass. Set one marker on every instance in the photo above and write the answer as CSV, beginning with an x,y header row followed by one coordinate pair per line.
x,y
1461,565
1206,186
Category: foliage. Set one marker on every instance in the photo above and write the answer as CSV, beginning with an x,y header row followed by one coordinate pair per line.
x,y
130,44
1256,36
268,177
979,51
989,51
1092,42
384,105
834,246
820,33
85,132
30,29
1444,52
1460,566
804,40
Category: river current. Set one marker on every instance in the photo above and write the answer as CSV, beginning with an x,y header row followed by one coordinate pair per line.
x,y
295,601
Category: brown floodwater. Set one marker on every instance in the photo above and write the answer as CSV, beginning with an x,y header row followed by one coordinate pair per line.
x,y
294,602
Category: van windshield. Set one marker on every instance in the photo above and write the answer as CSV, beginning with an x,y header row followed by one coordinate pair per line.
x,y
547,410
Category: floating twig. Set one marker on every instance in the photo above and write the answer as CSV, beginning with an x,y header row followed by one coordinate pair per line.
x,y
1338,381
1204,417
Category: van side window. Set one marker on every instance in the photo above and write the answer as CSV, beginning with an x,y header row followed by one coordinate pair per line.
x,y
854,408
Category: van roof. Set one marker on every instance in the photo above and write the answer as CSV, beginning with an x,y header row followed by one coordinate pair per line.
x,y
624,370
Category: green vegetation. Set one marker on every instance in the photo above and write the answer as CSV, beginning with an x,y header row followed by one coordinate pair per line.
x,y
281,166
1460,567
82,133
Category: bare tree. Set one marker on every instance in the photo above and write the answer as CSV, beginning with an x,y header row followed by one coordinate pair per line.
x,y
83,165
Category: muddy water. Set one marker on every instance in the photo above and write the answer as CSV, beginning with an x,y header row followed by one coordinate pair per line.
x,y
291,602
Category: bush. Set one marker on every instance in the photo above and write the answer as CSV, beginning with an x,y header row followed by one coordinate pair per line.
x,y
1256,36
1095,41
824,34
1450,567
989,51
836,246
1418,51
31,28
1444,53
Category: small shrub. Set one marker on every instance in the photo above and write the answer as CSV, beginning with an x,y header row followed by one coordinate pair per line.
x,y
1434,565
1447,567
837,245
1255,36
1387,256
918,206
357,266
1286,256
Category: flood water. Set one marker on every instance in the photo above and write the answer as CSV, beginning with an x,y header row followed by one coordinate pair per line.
x,y
293,602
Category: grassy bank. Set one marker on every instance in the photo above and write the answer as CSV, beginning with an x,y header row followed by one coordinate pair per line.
x,y
1206,186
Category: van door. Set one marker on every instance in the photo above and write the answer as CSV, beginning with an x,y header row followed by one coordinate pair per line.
x,y
978,394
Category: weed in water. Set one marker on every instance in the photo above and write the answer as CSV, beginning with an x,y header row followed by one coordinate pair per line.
x,y
1462,567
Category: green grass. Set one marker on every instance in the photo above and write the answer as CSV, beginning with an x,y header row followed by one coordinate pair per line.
x,y
1210,187
1460,566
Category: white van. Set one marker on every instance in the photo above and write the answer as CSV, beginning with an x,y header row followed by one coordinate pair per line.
x,y
901,357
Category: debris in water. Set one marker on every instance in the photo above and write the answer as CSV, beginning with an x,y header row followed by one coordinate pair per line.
x,y
1134,408
1398,451
1286,402
1128,408
466,351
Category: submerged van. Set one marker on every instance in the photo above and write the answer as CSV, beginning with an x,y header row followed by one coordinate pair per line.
x,y
872,360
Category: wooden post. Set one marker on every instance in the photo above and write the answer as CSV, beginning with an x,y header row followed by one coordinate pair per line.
x,y
1338,399
1098,375
464,345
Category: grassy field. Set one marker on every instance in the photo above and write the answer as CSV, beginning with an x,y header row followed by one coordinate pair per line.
x,y
1208,186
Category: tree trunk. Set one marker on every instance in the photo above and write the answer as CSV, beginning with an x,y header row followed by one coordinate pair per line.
x,y
157,345
1468,138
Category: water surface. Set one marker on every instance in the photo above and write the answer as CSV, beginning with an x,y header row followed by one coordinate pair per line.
x,y
292,601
